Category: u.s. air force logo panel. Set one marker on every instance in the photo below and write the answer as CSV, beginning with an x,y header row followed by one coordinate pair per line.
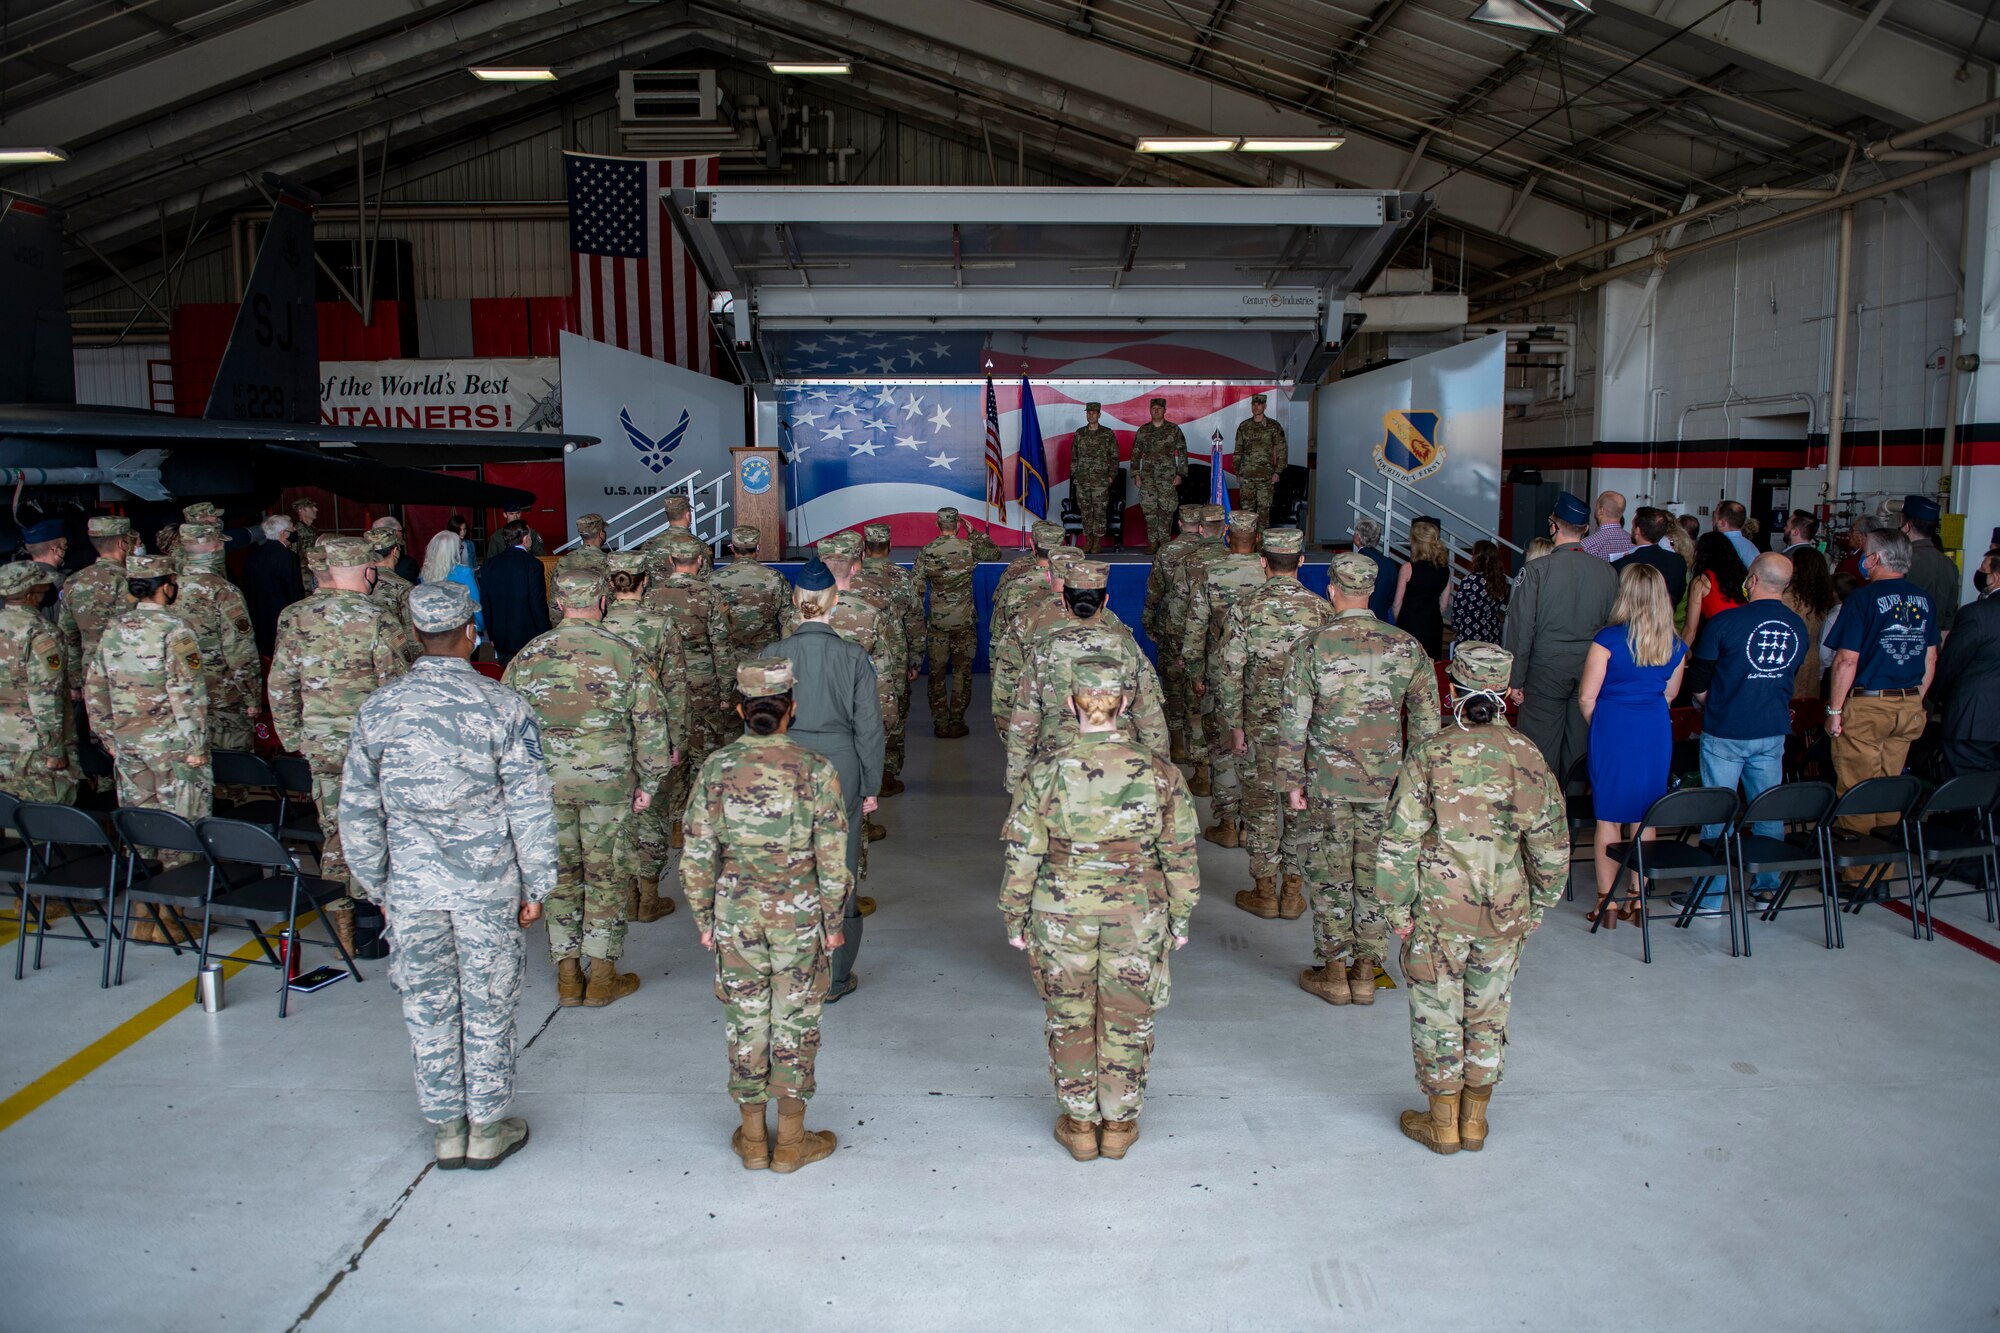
x,y
1412,446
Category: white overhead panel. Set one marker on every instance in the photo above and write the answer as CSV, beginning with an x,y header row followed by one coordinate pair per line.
x,y
979,267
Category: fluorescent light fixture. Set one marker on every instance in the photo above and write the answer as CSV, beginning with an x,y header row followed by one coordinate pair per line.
x,y
1205,144
1305,144
14,155
811,67
1520,14
514,73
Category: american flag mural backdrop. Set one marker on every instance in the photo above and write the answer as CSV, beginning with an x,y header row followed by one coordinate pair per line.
x,y
636,285
867,450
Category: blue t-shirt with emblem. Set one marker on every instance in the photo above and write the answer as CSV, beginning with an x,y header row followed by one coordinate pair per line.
x,y
1890,624
1756,649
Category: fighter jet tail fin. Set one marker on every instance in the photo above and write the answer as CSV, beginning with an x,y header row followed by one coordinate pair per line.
x,y
36,363
270,370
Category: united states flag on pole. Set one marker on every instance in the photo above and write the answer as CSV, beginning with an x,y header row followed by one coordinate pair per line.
x,y
636,285
996,480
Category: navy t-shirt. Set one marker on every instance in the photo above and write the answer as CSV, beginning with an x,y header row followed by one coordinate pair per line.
x,y
1890,624
1756,649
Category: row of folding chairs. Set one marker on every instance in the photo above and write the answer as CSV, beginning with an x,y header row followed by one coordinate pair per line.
x,y
227,871
1916,839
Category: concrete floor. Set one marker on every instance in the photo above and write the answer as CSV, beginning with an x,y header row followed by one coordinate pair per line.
x,y
1794,1141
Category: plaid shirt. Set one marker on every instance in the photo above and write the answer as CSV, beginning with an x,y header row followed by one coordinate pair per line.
x,y
1609,542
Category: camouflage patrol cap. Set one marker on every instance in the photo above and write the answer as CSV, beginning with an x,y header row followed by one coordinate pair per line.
x,y
764,678
840,545
110,525
1243,521
1064,559
1086,574
1093,406
1482,666
316,557
1156,402
24,576
683,546
387,521
590,525
1213,514
875,533
1097,675
948,518
1260,397
200,532
675,506
203,512
1191,514
1046,536
626,562
345,552
304,502
437,608
745,537
580,585
1285,541
150,567
1352,572
380,541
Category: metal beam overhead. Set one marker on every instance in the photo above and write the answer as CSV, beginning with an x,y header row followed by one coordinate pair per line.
x,y
917,206
1289,309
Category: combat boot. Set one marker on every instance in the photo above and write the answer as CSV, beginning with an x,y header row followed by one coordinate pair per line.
x,y
676,836
1198,783
1292,898
1226,833
607,983
1328,982
891,787
1177,748
569,983
751,1140
343,927
1078,1136
1261,900
1437,1128
864,906
797,1145
876,832
651,905
493,1144
1472,1117
1119,1136
1361,982
448,1143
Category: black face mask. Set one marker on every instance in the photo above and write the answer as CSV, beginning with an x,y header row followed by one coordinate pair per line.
x,y
1979,580
173,593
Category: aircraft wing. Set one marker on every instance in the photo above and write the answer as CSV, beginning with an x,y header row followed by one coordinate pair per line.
x,y
125,428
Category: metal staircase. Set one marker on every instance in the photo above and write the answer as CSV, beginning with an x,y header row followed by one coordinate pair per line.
x,y
1394,504
646,518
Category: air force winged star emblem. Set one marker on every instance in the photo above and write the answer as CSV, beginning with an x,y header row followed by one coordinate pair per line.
x,y
655,454
1410,448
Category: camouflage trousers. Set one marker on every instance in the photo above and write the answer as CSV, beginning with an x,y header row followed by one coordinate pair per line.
x,y
1175,700
586,913
26,774
1461,989
893,729
1275,836
771,981
165,782
1348,923
459,973
1093,498
231,729
1159,496
1255,493
1225,766
1101,979
702,742
326,799
950,683
648,846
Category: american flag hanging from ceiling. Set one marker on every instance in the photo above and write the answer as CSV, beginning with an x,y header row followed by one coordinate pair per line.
x,y
636,285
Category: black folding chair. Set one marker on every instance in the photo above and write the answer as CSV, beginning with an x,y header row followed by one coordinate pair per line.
x,y
301,822
72,858
13,852
1956,825
1582,811
278,897
246,772
1801,850
1872,853
1682,814
148,882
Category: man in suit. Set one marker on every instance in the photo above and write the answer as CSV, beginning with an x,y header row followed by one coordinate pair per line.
x,y
1968,677
1562,601
1649,534
513,593
270,580
499,542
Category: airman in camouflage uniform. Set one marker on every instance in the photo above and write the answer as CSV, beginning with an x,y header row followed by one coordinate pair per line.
x,y
333,650
754,597
1260,458
215,611
1043,538
983,546
1101,880
450,824
861,617
1224,580
1475,850
1166,638
1041,610
1040,719
1189,571
1248,687
944,570
34,697
1349,693
304,537
1160,463
390,590
588,554
606,736
679,514
905,608
766,877
659,646
677,590
1093,466
95,594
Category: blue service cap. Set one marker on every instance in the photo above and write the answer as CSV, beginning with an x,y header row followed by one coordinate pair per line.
x,y
1571,512
814,576
48,530
1922,508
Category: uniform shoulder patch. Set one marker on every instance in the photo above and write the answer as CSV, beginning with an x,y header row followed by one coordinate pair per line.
x,y
243,624
53,662
193,661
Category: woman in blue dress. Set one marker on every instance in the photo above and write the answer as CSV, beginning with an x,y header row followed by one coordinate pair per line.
x,y
1632,670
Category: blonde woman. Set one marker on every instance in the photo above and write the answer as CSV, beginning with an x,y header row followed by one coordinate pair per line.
x,y
1633,668
1423,585
444,562
1538,548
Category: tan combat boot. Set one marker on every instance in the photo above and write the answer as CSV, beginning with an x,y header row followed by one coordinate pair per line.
x,y
676,836
1119,1136
1079,1137
1177,748
607,983
751,1141
1261,900
1328,982
891,787
797,1145
1292,897
1198,783
1226,833
1437,1128
651,905
1361,982
876,832
569,983
343,927
1472,1117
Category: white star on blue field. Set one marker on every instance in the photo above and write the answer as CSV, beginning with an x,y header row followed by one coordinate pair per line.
x,y
844,435
887,356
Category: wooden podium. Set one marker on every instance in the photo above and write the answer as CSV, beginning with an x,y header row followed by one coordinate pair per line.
x,y
757,500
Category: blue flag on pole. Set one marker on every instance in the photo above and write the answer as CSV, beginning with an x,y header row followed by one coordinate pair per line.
x,y
1034,463
1218,480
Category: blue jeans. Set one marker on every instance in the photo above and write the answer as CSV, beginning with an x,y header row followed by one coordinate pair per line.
x,y
1759,765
